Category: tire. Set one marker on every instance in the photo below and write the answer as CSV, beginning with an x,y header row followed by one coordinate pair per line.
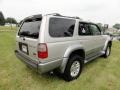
x,y
73,68
107,52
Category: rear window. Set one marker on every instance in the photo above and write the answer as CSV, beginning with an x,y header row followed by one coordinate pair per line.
x,y
60,27
30,28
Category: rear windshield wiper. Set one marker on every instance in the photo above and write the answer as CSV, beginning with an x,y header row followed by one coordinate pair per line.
x,y
35,35
24,33
28,34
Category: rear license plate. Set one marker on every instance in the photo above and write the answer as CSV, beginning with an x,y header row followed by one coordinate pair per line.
x,y
24,48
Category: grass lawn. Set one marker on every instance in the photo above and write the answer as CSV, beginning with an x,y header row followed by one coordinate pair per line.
x,y
7,28
100,74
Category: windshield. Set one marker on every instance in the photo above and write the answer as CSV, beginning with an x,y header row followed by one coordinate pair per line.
x,y
30,29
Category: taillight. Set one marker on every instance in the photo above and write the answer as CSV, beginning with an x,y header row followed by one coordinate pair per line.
x,y
42,51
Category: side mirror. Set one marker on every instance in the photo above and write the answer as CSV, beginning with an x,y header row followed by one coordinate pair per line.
x,y
106,26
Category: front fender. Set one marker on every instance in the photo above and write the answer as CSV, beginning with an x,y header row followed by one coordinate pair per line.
x,y
108,39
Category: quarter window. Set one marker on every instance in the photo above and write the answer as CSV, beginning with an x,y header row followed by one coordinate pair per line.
x,y
60,27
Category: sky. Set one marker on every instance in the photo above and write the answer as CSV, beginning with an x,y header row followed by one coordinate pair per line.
x,y
98,11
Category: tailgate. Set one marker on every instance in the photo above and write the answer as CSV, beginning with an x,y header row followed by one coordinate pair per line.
x,y
28,35
28,47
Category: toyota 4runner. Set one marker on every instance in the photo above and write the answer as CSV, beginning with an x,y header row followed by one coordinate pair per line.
x,y
60,43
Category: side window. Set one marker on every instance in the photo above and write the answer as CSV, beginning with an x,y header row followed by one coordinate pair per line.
x,y
60,27
83,29
94,29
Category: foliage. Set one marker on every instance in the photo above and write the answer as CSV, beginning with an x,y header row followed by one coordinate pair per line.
x,y
117,26
11,20
2,19
8,28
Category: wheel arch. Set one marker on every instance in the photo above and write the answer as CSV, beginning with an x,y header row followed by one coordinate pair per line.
x,y
79,52
108,42
69,52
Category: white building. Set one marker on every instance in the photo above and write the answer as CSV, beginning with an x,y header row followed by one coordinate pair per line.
x,y
8,24
112,30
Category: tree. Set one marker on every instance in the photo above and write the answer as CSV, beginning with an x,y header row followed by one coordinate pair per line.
x,y
2,19
11,20
117,26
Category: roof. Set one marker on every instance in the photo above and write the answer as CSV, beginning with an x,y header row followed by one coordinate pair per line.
x,y
39,16
57,14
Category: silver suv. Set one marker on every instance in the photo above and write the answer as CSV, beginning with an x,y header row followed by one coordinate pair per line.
x,y
60,43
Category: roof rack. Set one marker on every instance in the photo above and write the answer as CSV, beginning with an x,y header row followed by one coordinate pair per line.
x,y
77,17
72,17
57,14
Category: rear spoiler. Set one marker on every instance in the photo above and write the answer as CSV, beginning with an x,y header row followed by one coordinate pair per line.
x,y
33,17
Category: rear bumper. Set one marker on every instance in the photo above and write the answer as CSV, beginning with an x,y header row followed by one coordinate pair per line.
x,y
39,67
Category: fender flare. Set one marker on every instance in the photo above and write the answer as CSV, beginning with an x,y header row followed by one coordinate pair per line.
x,y
106,43
67,53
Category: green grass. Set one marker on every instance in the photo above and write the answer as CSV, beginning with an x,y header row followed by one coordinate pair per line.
x,y
7,28
100,74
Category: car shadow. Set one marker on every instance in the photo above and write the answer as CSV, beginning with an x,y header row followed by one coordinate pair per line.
x,y
51,77
45,78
